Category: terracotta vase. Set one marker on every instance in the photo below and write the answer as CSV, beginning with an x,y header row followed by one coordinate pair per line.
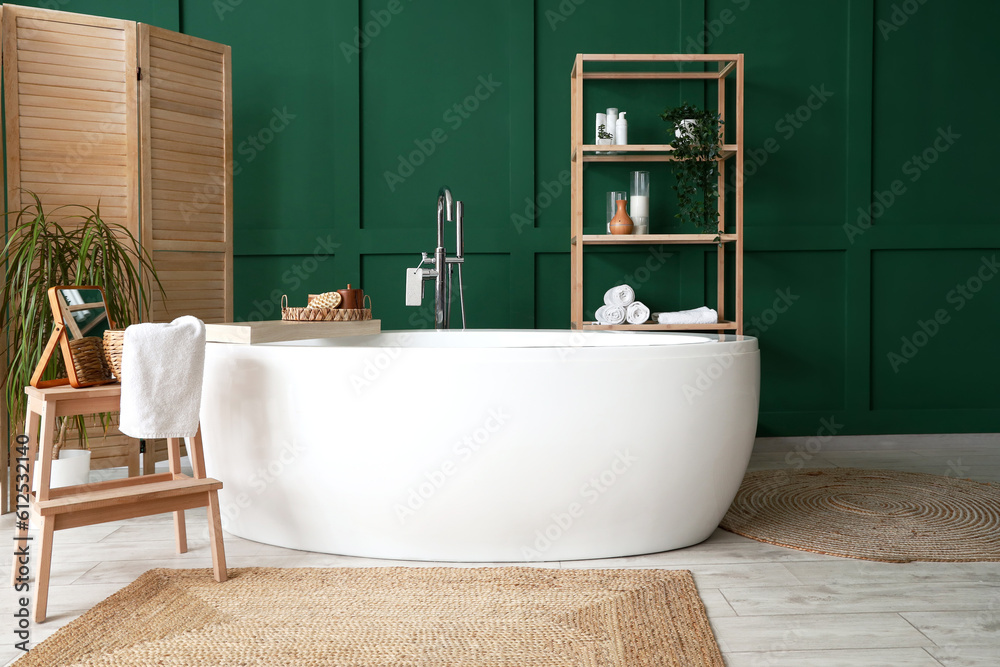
x,y
621,223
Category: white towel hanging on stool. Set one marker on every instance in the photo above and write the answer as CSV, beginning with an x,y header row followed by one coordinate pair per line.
x,y
162,370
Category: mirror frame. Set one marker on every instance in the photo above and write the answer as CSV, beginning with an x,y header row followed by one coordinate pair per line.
x,y
60,337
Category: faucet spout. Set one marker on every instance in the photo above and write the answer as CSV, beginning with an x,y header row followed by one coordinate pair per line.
x,y
444,212
445,202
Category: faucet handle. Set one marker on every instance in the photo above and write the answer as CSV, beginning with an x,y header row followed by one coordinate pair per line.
x,y
414,286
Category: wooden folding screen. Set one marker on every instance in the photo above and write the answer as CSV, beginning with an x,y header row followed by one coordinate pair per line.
x,y
187,201
92,104
71,111
96,108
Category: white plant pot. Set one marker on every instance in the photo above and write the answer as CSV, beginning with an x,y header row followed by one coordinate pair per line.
x,y
604,142
71,468
686,128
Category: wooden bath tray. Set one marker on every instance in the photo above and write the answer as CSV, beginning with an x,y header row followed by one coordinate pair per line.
x,y
277,331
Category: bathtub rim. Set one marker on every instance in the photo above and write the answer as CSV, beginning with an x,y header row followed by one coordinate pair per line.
x,y
711,343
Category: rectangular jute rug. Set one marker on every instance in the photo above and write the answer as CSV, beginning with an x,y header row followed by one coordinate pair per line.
x,y
393,617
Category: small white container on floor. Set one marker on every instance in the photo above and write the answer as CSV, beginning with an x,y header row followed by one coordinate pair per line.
x,y
71,468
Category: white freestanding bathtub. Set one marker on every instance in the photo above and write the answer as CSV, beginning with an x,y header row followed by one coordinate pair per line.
x,y
481,445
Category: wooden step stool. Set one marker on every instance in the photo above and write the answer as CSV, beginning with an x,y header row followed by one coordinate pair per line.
x,y
113,500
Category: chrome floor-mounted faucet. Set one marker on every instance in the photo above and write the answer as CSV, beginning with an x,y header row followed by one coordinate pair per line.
x,y
447,209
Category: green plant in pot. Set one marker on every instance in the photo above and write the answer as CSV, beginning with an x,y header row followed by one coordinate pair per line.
x,y
697,143
81,249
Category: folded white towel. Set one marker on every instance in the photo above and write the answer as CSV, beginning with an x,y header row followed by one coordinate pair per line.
x,y
622,295
703,315
162,369
637,313
609,315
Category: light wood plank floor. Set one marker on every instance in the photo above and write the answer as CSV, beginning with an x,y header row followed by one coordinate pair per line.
x,y
768,605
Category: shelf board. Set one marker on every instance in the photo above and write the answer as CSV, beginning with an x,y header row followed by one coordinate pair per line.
x,y
651,75
641,239
724,325
639,153
659,57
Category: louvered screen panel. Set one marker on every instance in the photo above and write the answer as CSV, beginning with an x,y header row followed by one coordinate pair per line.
x,y
186,118
71,104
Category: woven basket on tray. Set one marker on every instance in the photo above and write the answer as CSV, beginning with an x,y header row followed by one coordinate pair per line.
x,y
114,339
311,314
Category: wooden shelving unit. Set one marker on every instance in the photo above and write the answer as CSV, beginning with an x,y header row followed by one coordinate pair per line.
x,y
726,65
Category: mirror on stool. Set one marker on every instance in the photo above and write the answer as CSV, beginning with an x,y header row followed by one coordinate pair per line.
x,y
81,318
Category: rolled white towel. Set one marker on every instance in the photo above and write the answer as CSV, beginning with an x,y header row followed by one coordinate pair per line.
x,y
610,315
703,315
622,295
637,313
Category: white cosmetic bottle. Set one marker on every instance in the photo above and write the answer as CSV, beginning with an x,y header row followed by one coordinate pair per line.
x,y
612,121
621,129
602,119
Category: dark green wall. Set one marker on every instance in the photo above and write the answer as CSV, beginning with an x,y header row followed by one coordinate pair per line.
x,y
886,80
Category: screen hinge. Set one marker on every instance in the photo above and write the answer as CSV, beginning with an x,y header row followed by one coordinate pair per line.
x,y
138,73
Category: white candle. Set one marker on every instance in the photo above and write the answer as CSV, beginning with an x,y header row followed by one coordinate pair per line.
x,y
638,205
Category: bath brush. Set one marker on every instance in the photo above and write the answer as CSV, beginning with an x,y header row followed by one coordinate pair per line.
x,y
325,300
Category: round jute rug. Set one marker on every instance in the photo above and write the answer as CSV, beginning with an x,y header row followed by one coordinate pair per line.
x,y
882,515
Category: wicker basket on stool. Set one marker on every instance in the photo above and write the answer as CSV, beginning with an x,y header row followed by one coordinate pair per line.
x,y
89,361
114,339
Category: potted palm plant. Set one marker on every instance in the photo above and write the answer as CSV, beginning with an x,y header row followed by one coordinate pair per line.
x,y
697,144
80,249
